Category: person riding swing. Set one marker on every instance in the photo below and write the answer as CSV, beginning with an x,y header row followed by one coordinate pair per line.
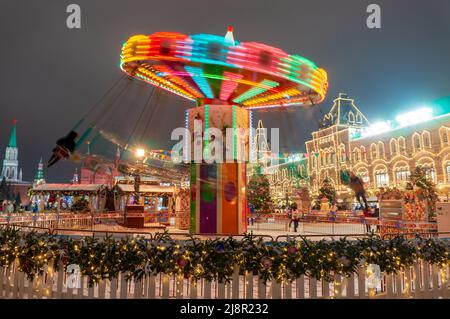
x,y
65,147
357,185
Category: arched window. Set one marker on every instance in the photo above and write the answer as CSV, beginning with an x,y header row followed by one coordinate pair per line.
x,y
358,118
402,145
416,141
364,174
355,155
401,174
429,169
447,171
443,132
381,176
342,151
300,170
393,146
358,155
351,117
430,172
363,153
373,151
426,138
381,149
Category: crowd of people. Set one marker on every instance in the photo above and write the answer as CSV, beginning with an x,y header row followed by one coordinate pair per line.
x,y
295,215
9,207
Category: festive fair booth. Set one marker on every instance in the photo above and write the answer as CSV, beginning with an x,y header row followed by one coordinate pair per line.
x,y
158,204
303,201
79,197
409,211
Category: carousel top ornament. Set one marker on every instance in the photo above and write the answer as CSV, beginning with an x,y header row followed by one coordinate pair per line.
x,y
210,69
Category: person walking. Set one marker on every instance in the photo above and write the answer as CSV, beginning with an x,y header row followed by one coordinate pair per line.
x,y
35,207
367,214
288,212
295,217
10,208
333,211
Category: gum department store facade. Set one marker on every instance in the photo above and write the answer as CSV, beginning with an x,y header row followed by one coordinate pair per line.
x,y
383,159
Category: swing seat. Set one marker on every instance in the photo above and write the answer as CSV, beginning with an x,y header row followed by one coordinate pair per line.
x,y
62,152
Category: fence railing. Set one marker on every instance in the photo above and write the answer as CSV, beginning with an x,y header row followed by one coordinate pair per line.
x,y
322,224
84,220
422,280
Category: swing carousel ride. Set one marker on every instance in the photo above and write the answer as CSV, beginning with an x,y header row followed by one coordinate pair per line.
x,y
226,80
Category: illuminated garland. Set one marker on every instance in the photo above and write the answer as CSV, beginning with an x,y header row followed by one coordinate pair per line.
x,y
205,67
215,259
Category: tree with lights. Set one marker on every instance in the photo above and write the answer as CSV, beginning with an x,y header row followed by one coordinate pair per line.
x,y
258,192
5,190
424,189
18,199
328,191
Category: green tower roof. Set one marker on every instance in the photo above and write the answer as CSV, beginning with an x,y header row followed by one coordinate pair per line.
x,y
40,172
12,137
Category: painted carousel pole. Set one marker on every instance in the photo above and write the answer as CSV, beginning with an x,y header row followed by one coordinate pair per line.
x,y
218,199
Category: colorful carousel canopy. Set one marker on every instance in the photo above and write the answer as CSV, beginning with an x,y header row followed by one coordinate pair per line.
x,y
209,68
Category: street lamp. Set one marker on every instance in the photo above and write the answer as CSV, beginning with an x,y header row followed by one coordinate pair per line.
x,y
139,153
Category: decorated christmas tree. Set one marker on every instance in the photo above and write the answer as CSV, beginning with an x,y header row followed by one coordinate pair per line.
x,y
18,199
258,192
5,190
328,191
424,189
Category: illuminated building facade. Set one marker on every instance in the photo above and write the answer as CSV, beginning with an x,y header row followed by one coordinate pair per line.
x,y
328,150
286,176
382,154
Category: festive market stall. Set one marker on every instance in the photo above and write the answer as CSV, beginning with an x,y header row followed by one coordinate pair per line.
x,y
75,197
407,211
158,202
303,201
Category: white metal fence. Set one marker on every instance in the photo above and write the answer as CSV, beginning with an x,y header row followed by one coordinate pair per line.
x,y
420,281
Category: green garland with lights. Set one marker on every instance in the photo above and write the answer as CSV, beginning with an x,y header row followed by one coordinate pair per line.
x,y
215,259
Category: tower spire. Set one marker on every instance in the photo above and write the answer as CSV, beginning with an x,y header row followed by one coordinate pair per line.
x,y
75,179
229,37
13,138
39,178
10,168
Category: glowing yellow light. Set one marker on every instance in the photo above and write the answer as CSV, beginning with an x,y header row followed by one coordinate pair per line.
x,y
140,152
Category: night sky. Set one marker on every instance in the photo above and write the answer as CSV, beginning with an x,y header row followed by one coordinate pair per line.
x,y
51,75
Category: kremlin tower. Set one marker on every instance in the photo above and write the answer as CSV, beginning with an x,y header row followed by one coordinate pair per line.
x,y
11,171
39,178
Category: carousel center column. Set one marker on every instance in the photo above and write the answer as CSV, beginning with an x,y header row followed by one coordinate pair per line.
x,y
219,151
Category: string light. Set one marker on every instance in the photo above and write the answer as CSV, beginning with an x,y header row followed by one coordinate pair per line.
x,y
148,58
